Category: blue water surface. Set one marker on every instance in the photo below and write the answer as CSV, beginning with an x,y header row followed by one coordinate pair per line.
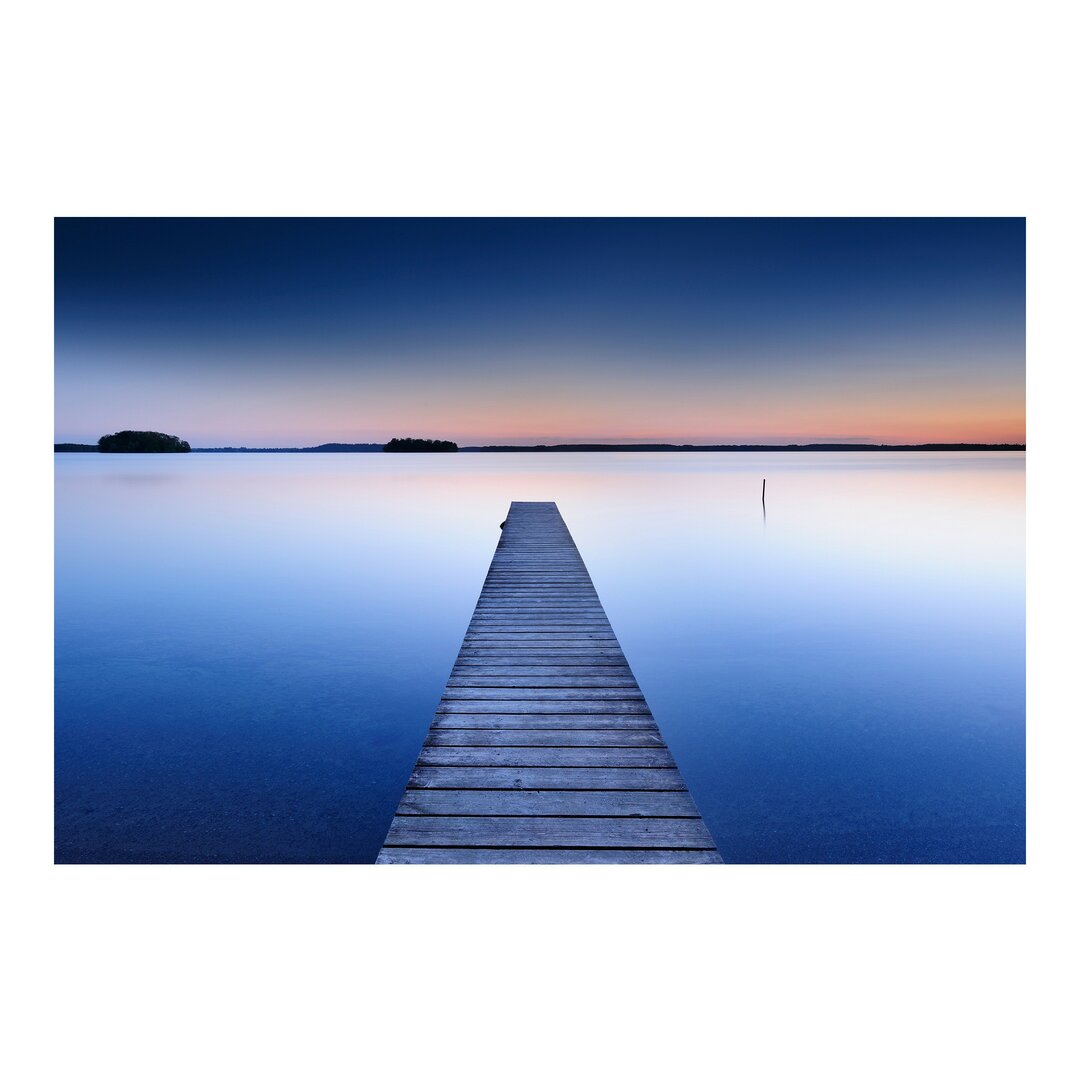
x,y
249,648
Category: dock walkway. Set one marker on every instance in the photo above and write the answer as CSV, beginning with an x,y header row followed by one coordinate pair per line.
x,y
543,748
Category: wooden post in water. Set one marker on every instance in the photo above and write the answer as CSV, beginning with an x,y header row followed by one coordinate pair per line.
x,y
763,491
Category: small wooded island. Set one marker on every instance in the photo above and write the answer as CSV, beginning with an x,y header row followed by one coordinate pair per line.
x,y
142,442
420,446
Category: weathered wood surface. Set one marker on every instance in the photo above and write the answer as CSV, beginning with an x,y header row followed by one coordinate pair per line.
x,y
543,748
547,778
496,831
668,804
542,855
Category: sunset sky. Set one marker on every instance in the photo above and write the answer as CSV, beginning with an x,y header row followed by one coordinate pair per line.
x,y
291,332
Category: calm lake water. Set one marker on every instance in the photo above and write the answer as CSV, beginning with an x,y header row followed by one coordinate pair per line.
x,y
249,648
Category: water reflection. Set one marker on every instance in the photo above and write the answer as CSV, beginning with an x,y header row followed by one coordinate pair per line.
x,y
250,647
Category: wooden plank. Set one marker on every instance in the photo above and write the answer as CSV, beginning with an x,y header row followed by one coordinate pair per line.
x,y
540,682
541,588
534,597
548,756
527,597
425,776
568,708
544,737
611,832
550,803
527,592
543,748
532,639
556,633
589,620
457,717
530,592
541,671
578,592
505,609
523,651
503,603
610,648
545,624
553,636
542,722
543,693
541,856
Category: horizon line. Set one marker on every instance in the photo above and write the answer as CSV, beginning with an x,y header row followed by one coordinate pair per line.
x,y
602,445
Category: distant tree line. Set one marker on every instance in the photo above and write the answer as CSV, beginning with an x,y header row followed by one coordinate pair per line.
x,y
342,448
420,446
322,448
142,442
649,448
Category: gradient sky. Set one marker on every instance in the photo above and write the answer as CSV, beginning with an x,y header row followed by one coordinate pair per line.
x,y
287,332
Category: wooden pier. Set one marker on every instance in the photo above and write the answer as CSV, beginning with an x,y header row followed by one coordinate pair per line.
x,y
543,749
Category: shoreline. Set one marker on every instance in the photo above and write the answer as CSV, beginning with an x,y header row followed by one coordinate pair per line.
x,y
600,448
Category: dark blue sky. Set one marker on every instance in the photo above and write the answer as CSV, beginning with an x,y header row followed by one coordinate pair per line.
x,y
286,331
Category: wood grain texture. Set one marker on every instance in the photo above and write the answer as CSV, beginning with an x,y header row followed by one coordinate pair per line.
x,y
542,856
525,779
550,803
552,757
541,682
543,748
543,693
540,706
532,718
544,737
543,722
421,830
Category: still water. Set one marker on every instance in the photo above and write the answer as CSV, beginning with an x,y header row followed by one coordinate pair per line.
x,y
249,648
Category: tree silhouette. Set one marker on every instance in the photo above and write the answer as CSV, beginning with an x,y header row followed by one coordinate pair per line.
x,y
142,442
420,446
